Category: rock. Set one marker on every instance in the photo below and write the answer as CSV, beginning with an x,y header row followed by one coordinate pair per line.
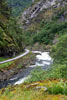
x,y
55,41
34,10
41,87
32,85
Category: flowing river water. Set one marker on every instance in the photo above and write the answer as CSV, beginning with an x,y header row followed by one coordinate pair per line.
x,y
43,60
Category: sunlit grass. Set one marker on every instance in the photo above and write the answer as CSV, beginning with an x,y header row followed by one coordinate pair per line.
x,y
5,65
29,92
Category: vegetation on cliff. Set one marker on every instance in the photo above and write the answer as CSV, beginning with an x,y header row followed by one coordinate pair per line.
x,y
50,29
10,32
48,24
18,6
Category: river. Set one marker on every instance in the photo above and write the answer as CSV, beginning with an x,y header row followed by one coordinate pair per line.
x,y
42,59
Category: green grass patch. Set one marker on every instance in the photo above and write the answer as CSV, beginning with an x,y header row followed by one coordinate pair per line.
x,y
2,59
29,91
5,65
58,88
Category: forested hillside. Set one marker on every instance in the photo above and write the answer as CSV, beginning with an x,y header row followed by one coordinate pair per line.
x,y
41,28
44,20
18,6
10,33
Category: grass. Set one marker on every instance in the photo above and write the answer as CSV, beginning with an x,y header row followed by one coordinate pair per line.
x,y
2,59
56,71
5,65
58,88
29,92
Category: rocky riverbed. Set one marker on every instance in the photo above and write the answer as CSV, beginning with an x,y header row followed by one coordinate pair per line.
x,y
19,75
16,66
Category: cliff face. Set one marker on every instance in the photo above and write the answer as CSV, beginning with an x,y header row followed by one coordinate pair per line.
x,y
43,20
9,44
35,10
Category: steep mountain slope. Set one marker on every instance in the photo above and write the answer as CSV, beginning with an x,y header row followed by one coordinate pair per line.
x,y
10,32
43,24
45,9
44,19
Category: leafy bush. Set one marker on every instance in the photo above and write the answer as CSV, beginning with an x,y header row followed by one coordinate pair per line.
x,y
36,75
59,51
55,72
10,32
58,88
5,65
48,32
63,71
59,14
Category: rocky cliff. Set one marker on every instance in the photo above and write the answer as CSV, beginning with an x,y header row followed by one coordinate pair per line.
x,y
41,7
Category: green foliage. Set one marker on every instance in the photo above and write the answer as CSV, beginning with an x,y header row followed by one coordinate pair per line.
x,y
59,51
10,32
59,68
17,6
55,72
2,59
63,72
58,14
4,9
5,65
47,33
58,88
7,91
36,75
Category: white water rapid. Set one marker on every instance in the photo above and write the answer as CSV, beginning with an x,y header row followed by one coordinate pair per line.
x,y
43,59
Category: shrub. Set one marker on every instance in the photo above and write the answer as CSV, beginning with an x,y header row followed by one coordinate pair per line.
x,y
63,71
5,65
59,51
55,72
36,75
58,88
48,31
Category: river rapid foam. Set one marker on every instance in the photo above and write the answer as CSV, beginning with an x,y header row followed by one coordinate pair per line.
x,y
43,60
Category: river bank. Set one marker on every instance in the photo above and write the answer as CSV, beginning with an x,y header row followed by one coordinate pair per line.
x,y
20,74
15,66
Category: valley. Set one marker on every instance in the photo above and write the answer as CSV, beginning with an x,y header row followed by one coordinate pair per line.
x,y
33,50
